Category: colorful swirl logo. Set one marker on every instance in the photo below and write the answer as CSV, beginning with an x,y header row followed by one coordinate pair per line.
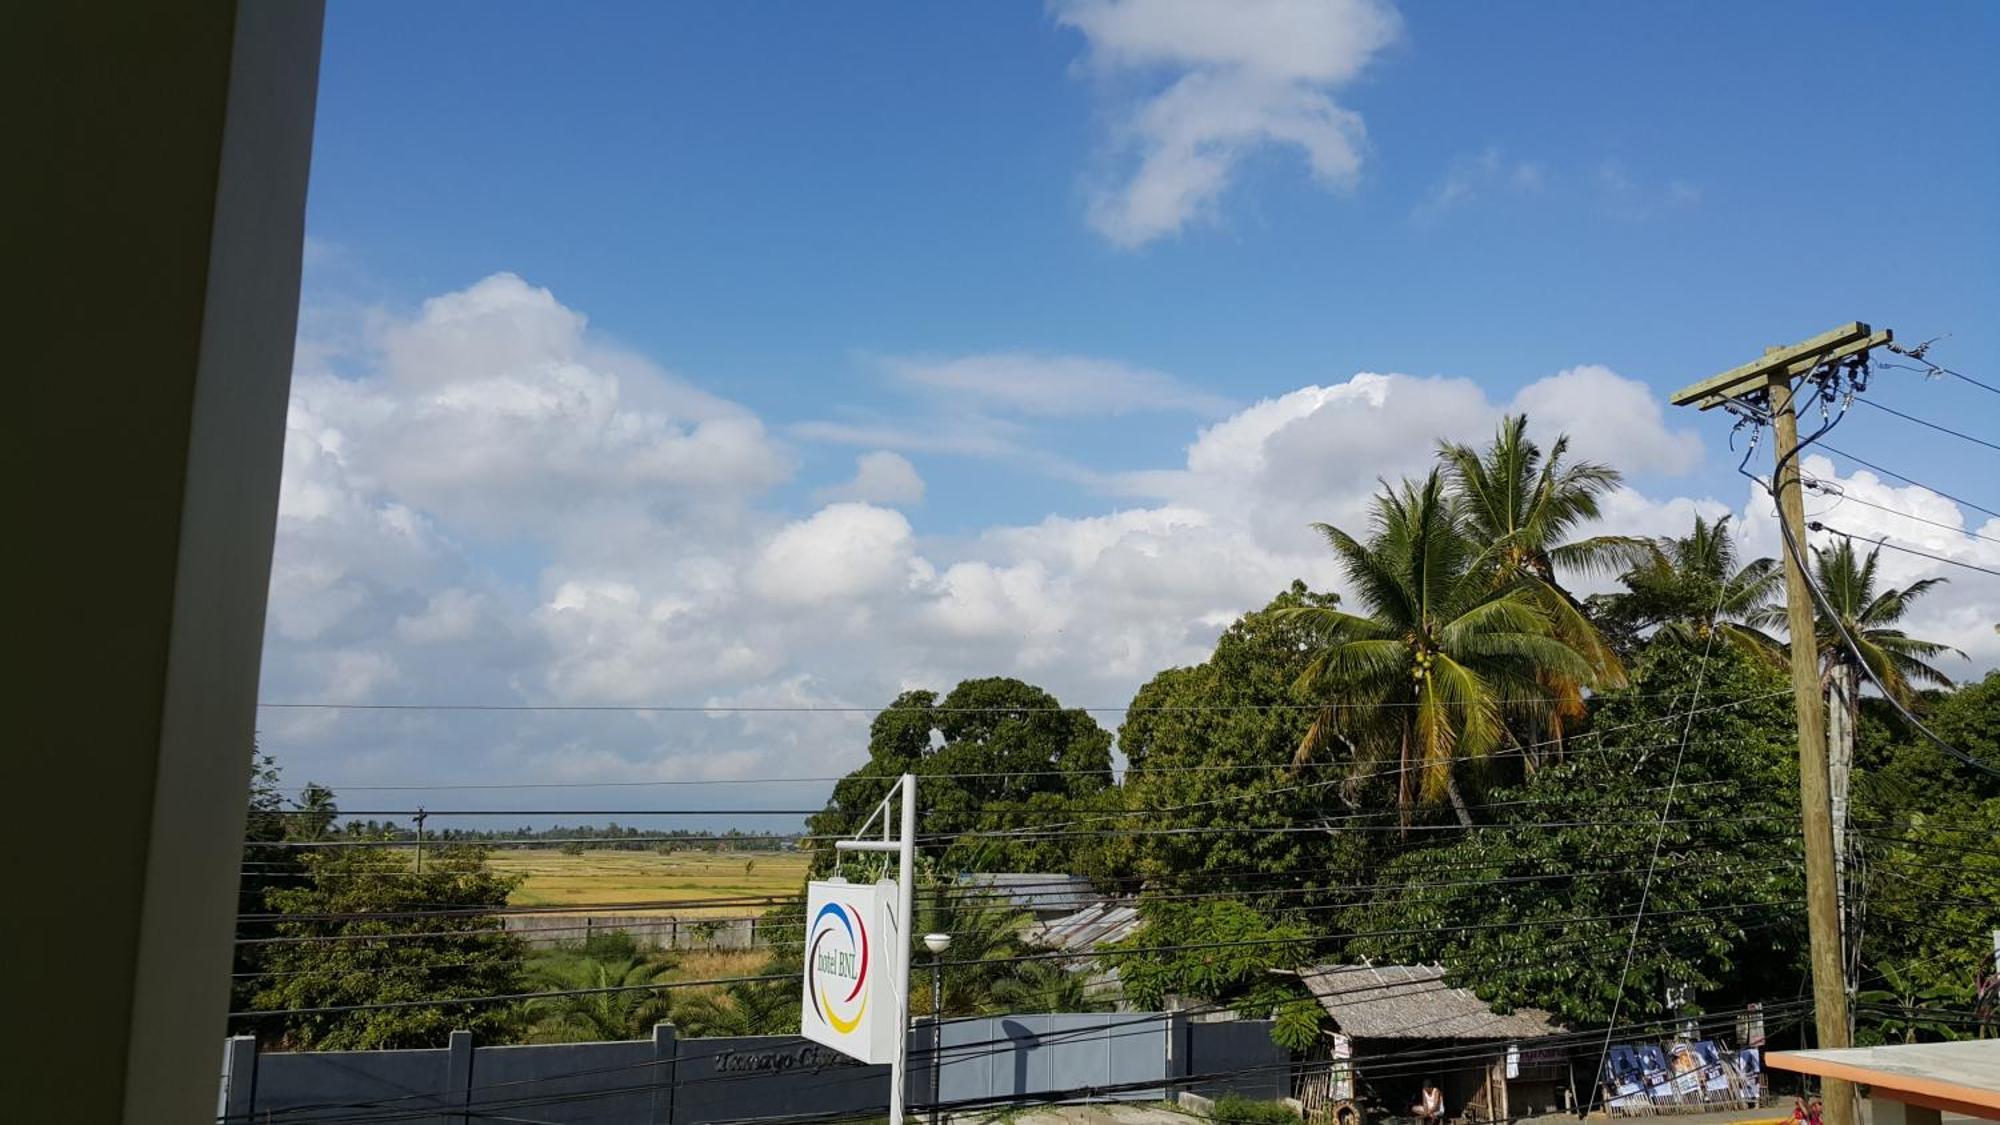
x,y
837,963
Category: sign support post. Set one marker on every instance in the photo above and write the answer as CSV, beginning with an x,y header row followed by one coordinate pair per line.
x,y
899,980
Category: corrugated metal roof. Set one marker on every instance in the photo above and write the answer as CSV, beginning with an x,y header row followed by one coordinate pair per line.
x,y
1413,1002
1088,928
1032,890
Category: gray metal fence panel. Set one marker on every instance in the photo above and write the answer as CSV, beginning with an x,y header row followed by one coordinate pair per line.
x,y
570,1083
342,1080
1029,1055
1137,1052
1257,1067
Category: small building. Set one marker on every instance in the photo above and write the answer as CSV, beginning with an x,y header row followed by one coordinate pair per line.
x,y
1488,1067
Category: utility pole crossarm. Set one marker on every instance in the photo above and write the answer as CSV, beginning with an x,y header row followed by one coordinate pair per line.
x,y
1854,338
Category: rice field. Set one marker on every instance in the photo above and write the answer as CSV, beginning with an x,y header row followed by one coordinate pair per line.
x,y
603,876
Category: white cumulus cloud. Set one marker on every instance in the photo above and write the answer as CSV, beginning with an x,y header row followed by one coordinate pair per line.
x,y
1239,77
840,552
881,477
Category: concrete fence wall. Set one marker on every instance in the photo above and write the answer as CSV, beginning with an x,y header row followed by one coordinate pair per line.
x,y
545,930
672,1081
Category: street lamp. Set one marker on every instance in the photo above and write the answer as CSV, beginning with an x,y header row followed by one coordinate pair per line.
x,y
937,944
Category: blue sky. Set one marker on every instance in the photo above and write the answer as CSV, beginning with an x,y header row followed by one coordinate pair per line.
x,y
810,212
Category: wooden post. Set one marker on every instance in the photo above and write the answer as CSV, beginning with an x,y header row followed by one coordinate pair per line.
x,y
1829,975
1772,377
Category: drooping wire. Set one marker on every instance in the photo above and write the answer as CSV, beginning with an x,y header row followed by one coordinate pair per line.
x,y
1883,541
1932,425
1797,554
1660,833
1842,496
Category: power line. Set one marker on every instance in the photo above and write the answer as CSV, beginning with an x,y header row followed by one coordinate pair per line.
x,y
1917,353
1660,833
1816,525
1906,480
1833,489
1823,603
833,709
343,814
1397,1062
1131,770
946,839
1302,940
1931,425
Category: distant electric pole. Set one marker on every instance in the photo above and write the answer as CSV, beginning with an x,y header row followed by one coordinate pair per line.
x,y
419,818
1768,385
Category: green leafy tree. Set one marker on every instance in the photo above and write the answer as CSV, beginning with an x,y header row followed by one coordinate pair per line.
x,y
986,936
267,864
1425,676
315,813
994,754
1871,619
1536,909
1046,986
349,939
1903,1010
1224,953
1208,748
1932,888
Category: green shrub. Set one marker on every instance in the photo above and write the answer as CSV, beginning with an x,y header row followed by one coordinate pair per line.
x,y
1235,1109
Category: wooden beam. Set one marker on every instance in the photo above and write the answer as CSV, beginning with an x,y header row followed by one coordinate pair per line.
x,y
1758,372
1805,366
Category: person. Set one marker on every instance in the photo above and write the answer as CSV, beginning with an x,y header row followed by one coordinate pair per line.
x,y
1429,1109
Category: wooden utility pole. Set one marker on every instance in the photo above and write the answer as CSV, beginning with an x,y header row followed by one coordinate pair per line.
x,y
1771,380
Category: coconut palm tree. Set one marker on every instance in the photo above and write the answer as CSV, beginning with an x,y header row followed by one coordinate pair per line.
x,y
1898,661
1426,675
743,1008
1526,507
1856,630
1046,986
1690,586
987,932
594,1016
317,812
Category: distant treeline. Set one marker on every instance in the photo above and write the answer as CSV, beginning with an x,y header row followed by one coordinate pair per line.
x,y
613,836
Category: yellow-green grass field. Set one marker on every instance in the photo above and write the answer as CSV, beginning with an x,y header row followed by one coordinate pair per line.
x,y
603,876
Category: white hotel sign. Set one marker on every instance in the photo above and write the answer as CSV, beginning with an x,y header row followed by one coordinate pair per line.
x,y
849,1000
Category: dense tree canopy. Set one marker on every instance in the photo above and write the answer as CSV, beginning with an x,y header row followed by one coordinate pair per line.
x,y
994,755
1563,864
1210,751
343,938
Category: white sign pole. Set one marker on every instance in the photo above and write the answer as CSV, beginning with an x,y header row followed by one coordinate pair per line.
x,y
899,960
899,1073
